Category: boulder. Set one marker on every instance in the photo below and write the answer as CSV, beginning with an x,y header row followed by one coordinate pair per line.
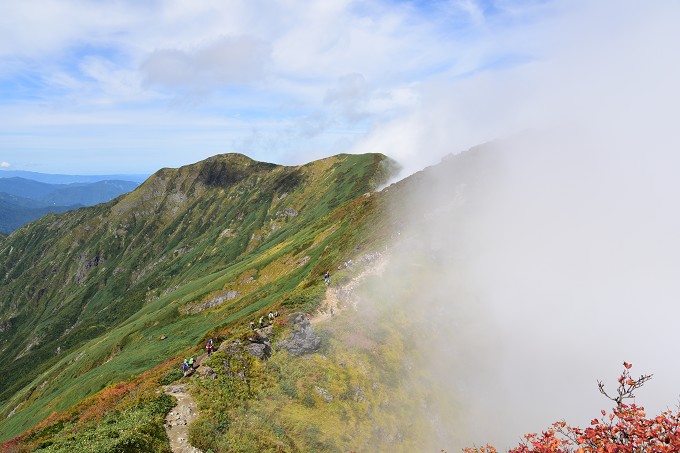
x,y
208,372
303,340
260,335
259,350
231,347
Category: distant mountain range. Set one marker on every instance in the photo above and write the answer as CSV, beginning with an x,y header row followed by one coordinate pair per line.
x,y
69,179
24,200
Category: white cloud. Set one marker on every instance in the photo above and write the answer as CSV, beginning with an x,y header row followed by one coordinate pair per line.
x,y
325,69
570,249
5,165
349,96
614,75
227,61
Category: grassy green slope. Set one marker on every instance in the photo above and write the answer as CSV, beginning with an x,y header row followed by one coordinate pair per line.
x,y
367,389
88,294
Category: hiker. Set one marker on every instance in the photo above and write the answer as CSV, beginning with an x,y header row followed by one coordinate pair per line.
x,y
261,321
331,311
271,317
209,347
252,325
191,362
327,278
276,314
185,366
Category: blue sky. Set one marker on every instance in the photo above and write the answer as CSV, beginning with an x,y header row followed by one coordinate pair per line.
x,y
128,86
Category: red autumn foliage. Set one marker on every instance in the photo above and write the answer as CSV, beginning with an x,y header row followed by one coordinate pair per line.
x,y
104,401
625,430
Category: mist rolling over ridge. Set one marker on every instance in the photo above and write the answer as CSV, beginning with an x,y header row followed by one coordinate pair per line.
x,y
532,267
554,258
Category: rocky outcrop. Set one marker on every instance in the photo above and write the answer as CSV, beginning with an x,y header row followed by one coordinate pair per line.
x,y
85,264
304,339
260,346
323,393
5,325
208,372
221,298
260,351
231,347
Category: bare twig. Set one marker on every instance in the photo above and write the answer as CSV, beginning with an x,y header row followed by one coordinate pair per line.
x,y
627,385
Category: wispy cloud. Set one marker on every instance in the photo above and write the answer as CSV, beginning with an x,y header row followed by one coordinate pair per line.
x,y
228,61
330,75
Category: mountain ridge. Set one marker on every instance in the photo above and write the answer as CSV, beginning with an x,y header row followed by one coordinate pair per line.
x,y
181,236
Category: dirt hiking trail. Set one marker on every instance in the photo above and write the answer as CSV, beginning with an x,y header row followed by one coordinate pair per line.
x,y
341,298
179,418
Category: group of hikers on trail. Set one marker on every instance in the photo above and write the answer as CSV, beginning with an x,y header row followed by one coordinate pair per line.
x,y
187,365
262,321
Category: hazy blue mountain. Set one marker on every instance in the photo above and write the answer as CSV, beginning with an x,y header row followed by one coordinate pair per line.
x,y
88,194
16,212
24,200
69,179
26,188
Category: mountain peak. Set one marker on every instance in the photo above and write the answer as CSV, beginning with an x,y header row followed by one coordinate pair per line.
x,y
228,223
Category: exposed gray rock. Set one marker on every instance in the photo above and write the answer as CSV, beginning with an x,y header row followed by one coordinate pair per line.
x,y
5,325
231,347
325,394
221,298
261,335
303,340
259,350
261,346
208,372
176,389
85,264
359,394
181,251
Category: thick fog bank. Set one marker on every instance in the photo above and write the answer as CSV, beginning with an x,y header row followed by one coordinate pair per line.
x,y
535,266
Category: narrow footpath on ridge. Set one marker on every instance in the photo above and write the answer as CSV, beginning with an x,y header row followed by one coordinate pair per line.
x,y
179,418
341,298
328,306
